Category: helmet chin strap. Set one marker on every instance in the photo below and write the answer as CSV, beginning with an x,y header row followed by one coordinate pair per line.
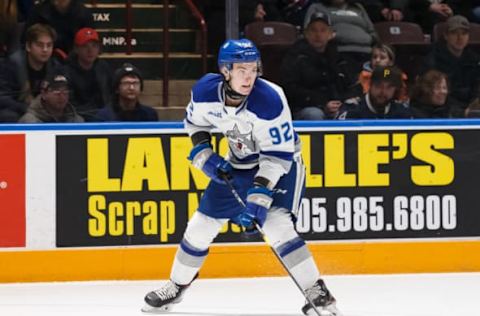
x,y
232,94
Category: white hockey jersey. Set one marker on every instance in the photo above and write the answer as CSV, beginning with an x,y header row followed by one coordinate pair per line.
x,y
259,131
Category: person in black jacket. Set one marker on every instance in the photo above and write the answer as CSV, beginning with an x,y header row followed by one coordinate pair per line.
x,y
458,62
90,77
475,11
65,16
125,106
313,76
427,12
385,10
248,11
379,102
8,27
22,73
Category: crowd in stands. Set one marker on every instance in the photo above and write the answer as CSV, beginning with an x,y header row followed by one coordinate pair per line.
x,y
339,68
51,70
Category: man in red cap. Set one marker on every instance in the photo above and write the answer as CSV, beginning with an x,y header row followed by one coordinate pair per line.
x,y
90,77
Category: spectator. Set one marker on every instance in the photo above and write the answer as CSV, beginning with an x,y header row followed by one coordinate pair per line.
x,y
313,75
458,62
385,10
294,11
430,96
65,16
24,71
52,105
248,11
267,10
475,11
382,55
431,12
125,106
24,9
427,13
90,77
354,31
393,10
8,27
473,110
379,102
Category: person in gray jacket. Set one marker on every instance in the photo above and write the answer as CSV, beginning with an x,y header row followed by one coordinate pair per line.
x,y
354,31
52,104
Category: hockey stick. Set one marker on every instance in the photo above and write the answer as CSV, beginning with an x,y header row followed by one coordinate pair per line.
x,y
275,252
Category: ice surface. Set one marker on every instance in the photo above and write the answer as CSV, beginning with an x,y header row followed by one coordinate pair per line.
x,y
360,295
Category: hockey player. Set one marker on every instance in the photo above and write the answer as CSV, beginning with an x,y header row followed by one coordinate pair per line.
x,y
263,164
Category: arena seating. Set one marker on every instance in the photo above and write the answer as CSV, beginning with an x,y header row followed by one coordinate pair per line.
x,y
409,41
273,39
185,64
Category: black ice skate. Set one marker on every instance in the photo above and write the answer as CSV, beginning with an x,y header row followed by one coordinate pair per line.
x,y
322,299
161,300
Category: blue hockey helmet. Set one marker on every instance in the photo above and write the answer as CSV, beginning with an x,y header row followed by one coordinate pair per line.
x,y
238,51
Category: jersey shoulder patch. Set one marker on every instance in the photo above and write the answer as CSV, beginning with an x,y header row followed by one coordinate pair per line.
x,y
206,89
265,101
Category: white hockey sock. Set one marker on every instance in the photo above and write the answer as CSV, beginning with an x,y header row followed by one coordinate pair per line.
x,y
188,261
306,273
200,232
299,260
291,247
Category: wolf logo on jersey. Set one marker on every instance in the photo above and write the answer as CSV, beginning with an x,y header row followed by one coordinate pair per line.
x,y
241,143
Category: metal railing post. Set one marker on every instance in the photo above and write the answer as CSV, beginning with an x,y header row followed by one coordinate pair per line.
x,y
203,28
231,19
166,50
128,30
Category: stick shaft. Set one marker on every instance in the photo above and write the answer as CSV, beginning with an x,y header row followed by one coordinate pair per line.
x,y
275,252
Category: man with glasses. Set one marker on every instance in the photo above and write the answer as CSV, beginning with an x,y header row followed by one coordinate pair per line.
x,y
23,72
125,105
52,105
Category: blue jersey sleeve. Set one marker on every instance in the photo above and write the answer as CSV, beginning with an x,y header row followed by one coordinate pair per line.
x,y
204,93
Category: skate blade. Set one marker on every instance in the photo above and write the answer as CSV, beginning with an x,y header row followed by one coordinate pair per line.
x,y
312,312
157,310
323,312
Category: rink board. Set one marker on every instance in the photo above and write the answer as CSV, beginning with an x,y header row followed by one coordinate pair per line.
x,y
238,261
111,201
